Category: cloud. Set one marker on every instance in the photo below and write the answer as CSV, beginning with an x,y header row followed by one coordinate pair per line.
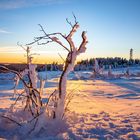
x,y
14,4
4,32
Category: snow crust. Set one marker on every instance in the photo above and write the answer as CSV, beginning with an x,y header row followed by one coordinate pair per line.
x,y
106,108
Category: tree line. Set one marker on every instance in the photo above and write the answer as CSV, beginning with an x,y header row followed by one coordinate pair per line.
x,y
87,64
116,62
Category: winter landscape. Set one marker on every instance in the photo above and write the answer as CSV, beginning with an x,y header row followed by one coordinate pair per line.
x,y
74,80
100,108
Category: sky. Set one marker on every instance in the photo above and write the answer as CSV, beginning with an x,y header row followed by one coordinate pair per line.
x,y
113,27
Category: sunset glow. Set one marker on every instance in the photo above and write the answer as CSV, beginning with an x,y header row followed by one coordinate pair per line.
x,y
112,27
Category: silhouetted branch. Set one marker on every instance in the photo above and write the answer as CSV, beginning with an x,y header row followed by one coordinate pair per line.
x,y
19,75
69,22
49,38
61,57
74,18
21,46
15,72
33,126
11,120
44,43
18,97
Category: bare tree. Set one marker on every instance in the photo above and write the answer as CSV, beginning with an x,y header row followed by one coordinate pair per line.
x,y
73,52
96,69
32,94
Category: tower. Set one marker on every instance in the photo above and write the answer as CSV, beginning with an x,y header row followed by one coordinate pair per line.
x,y
131,54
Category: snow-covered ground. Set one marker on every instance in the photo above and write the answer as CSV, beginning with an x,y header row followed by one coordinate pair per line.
x,y
102,109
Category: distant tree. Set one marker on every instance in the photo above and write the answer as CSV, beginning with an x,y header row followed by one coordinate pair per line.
x,y
96,68
105,62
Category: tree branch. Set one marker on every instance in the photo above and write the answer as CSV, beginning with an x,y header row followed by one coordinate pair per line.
x,y
69,36
74,18
21,46
11,120
82,47
50,38
19,75
69,22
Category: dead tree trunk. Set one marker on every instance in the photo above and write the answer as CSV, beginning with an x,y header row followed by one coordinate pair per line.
x,y
73,52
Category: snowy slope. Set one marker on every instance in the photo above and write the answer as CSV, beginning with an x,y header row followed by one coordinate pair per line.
x,y
101,109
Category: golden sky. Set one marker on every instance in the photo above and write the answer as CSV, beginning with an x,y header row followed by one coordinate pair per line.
x,y
18,55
